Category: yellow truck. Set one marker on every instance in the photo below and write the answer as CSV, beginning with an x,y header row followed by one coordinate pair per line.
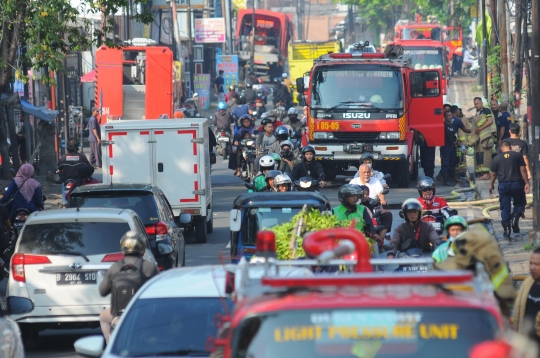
x,y
302,54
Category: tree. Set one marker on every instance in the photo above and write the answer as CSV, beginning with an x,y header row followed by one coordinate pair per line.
x,y
46,30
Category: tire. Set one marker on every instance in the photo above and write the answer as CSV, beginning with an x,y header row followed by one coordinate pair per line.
x,y
251,174
200,230
473,73
402,175
184,257
210,225
414,174
224,150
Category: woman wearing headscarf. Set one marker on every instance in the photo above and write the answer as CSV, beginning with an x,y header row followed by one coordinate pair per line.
x,y
27,191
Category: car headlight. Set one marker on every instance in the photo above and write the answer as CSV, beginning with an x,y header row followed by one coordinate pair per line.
x,y
323,135
389,135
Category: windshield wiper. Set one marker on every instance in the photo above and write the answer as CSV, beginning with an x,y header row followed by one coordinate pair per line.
x,y
339,105
73,253
179,352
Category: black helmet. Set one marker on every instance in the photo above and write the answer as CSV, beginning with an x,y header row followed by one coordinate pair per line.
x,y
248,85
73,145
365,156
282,133
425,183
132,243
308,148
271,174
277,80
266,121
410,204
348,190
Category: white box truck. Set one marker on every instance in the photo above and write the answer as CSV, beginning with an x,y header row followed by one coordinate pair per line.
x,y
170,153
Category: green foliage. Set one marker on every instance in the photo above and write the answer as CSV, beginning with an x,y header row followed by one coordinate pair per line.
x,y
493,62
313,220
48,29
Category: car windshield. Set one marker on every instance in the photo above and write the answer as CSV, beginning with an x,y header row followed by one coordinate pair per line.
x,y
88,238
165,326
143,203
420,33
264,218
352,88
377,332
424,58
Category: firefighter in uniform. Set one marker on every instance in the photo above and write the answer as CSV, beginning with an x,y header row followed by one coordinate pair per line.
x,y
484,127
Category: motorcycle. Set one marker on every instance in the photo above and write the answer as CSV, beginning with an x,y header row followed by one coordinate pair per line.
x,y
260,104
280,110
436,219
190,109
307,184
71,184
296,139
223,140
249,153
409,250
471,69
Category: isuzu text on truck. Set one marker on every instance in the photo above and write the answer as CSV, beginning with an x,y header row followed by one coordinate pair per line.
x,y
368,102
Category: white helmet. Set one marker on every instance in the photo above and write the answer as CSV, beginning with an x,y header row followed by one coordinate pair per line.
x,y
282,179
286,142
284,75
376,99
267,162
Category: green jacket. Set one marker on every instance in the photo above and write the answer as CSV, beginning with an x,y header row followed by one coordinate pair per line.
x,y
443,251
339,212
259,182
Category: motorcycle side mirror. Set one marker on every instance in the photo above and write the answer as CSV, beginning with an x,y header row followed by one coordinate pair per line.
x,y
250,186
300,85
453,212
401,215
184,219
387,176
379,228
164,248
376,213
385,191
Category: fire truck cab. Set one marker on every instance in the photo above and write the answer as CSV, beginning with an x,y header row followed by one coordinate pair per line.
x,y
282,309
370,102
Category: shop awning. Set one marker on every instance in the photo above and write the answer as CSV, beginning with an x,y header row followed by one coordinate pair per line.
x,y
89,77
41,113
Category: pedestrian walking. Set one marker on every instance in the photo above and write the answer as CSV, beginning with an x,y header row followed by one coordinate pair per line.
x,y
484,141
219,86
508,167
94,139
527,304
519,145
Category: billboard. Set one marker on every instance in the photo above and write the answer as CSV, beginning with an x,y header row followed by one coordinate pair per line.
x,y
229,65
210,30
201,84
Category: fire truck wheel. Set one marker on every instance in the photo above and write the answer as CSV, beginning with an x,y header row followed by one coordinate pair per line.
x,y
200,230
402,175
414,174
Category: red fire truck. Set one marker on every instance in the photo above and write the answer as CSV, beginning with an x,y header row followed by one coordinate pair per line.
x,y
283,309
367,102
134,82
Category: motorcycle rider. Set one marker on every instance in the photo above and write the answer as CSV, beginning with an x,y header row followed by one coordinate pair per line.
x,y
426,189
222,118
288,157
244,132
281,134
241,108
25,190
269,179
250,93
133,247
230,94
368,158
281,93
309,167
282,183
348,196
286,81
74,166
454,226
421,234
293,120
266,163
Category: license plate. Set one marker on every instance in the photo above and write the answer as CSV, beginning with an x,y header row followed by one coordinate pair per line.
x,y
281,108
223,139
415,269
436,225
76,278
259,104
18,224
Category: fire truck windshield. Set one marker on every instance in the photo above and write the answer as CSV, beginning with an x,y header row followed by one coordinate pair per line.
x,y
376,332
425,57
422,33
350,87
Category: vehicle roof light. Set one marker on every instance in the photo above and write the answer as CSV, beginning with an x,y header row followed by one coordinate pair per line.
x,y
373,55
429,278
340,55
266,244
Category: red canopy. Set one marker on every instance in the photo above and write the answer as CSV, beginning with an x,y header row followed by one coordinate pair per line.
x,y
89,77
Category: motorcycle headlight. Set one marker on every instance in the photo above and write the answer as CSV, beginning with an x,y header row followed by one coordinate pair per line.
x,y
389,135
305,184
323,135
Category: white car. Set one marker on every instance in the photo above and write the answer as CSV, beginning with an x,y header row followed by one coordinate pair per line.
x,y
60,259
172,315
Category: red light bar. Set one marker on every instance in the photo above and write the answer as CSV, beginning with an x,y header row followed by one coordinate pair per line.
x,y
340,55
370,280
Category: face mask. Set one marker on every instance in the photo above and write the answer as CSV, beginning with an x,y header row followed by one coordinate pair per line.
x,y
286,153
369,165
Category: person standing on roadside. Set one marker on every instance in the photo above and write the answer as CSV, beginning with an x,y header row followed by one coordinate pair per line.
x,y
527,304
519,145
21,134
219,86
94,139
504,120
494,105
509,168
448,151
483,122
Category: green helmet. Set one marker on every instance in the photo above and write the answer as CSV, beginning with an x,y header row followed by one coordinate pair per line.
x,y
455,220
276,157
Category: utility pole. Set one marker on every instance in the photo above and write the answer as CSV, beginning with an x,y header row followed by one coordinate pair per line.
x,y
518,57
505,78
252,41
484,49
191,55
535,87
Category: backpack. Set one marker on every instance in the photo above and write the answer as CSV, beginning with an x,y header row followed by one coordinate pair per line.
x,y
125,284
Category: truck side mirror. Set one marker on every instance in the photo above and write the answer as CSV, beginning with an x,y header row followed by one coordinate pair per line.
x,y
235,220
300,85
